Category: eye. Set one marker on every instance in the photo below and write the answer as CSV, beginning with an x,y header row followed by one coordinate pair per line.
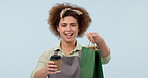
x,y
63,25
73,25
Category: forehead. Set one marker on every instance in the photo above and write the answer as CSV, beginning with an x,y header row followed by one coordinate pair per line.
x,y
68,19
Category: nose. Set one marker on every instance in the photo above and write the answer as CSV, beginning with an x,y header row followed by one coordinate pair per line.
x,y
68,28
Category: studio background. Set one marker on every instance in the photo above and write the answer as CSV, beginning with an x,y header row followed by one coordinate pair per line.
x,y
25,34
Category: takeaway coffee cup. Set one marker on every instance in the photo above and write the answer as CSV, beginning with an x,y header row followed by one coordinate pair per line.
x,y
57,61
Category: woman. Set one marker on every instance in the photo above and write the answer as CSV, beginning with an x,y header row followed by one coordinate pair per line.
x,y
68,22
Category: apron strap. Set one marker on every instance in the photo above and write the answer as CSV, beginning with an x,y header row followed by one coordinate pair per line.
x,y
79,52
57,51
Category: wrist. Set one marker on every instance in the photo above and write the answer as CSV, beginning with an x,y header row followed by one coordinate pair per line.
x,y
44,71
41,73
99,43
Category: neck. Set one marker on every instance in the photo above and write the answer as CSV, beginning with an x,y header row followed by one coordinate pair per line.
x,y
68,45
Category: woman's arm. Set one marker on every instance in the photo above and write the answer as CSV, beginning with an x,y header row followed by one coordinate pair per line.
x,y
105,51
48,69
44,67
101,44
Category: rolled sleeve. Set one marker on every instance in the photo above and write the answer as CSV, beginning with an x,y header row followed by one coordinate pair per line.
x,y
106,59
32,74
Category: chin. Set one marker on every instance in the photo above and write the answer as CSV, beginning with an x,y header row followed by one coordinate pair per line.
x,y
69,40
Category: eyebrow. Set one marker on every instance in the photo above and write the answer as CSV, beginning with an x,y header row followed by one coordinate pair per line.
x,y
70,23
73,23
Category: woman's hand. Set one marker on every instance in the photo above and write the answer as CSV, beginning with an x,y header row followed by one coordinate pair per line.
x,y
50,68
96,38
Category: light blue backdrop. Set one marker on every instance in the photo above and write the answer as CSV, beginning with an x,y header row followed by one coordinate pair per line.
x,y
24,35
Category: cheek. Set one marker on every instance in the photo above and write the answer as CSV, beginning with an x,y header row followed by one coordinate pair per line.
x,y
61,29
76,31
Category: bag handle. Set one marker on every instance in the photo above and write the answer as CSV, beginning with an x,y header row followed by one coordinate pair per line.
x,y
90,44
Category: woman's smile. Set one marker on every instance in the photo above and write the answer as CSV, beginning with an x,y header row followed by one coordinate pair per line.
x,y
69,35
68,28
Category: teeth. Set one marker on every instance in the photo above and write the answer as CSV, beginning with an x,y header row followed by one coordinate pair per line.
x,y
68,34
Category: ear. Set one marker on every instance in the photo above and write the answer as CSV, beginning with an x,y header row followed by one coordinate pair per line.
x,y
78,29
58,28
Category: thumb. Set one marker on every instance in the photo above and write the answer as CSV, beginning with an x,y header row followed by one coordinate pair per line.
x,y
87,35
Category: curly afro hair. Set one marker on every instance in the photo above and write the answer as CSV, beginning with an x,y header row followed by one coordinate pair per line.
x,y
84,19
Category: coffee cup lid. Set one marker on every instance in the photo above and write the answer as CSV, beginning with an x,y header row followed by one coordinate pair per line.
x,y
55,57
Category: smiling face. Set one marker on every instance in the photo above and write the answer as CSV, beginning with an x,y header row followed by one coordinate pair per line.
x,y
68,28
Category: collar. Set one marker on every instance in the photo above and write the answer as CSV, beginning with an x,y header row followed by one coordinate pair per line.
x,y
78,47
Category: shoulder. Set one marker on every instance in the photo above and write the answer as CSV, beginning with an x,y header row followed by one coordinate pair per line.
x,y
48,53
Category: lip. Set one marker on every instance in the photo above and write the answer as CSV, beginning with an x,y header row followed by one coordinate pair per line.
x,y
69,35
